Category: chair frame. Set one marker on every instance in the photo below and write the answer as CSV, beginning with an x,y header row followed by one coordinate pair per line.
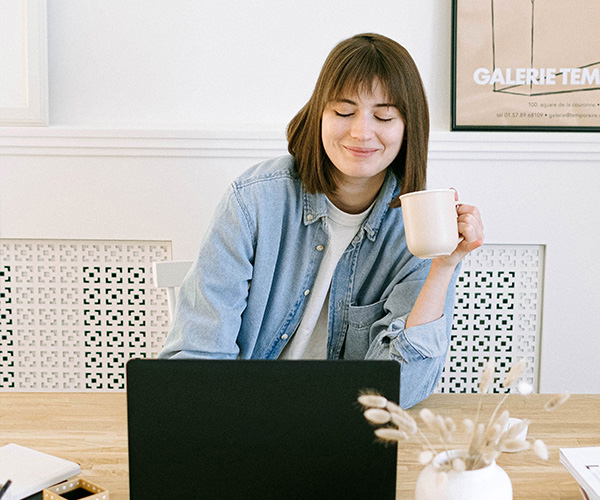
x,y
169,275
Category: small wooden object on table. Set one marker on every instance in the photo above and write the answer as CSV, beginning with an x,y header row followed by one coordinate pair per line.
x,y
76,489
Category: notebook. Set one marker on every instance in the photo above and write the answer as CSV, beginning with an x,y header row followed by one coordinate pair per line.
x,y
31,470
257,429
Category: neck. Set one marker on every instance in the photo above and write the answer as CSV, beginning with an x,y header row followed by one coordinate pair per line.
x,y
354,196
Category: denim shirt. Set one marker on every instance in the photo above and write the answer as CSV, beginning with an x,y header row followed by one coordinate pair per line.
x,y
246,292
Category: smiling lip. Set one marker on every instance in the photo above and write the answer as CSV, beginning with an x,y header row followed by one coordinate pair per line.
x,y
362,152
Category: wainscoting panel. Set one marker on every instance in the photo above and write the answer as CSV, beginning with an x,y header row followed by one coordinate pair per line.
x,y
72,313
497,316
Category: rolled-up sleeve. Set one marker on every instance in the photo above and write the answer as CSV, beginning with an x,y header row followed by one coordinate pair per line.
x,y
421,349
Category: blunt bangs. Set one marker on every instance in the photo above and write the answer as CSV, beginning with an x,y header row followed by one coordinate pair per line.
x,y
357,71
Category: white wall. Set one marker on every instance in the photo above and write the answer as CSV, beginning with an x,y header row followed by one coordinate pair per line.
x,y
155,106
190,63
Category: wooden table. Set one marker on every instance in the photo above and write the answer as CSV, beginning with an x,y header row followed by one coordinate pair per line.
x,y
91,429
576,423
87,428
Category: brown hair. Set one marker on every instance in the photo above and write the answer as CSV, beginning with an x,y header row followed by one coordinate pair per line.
x,y
352,67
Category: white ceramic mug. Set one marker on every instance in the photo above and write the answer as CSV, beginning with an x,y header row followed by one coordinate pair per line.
x,y
430,222
522,436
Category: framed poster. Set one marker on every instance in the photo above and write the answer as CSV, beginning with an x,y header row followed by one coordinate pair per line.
x,y
526,65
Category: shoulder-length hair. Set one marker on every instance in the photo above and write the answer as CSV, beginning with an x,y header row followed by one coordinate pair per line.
x,y
351,68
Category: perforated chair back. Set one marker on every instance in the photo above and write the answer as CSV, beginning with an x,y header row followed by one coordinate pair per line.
x,y
169,275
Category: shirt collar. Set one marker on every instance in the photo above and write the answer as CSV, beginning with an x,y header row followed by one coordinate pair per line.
x,y
315,206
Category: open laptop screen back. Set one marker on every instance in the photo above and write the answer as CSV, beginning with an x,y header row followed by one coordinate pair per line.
x,y
257,429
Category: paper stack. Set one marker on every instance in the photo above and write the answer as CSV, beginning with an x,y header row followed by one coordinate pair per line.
x,y
31,471
584,465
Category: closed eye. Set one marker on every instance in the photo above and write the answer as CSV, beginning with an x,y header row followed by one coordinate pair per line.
x,y
343,115
384,119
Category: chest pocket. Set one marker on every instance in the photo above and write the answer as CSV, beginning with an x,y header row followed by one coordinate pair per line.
x,y
360,320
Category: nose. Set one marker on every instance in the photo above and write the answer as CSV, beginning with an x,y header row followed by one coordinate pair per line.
x,y
361,127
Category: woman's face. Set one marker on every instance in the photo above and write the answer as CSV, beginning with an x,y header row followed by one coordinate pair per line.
x,y
362,134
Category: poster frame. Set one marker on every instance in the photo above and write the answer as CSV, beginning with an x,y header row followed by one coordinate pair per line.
x,y
514,126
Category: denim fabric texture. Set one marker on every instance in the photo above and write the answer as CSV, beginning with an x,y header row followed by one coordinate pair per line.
x,y
245,294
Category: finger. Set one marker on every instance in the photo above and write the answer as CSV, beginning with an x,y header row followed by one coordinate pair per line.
x,y
471,219
470,233
470,215
462,208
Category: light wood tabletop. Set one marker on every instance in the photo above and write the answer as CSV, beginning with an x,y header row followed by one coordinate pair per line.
x,y
87,428
575,423
91,429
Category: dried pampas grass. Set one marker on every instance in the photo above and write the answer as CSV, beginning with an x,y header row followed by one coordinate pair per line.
x,y
486,440
556,401
377,416
487,377
514,373
540,449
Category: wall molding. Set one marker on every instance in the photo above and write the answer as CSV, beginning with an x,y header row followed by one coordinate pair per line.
x,y
55,141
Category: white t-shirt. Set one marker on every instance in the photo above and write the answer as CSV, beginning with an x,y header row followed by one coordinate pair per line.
x,y
310,339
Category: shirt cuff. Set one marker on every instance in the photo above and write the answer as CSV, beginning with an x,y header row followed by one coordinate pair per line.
x,y
429,340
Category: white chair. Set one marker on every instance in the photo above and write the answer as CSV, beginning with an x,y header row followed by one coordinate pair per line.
x,y
169,275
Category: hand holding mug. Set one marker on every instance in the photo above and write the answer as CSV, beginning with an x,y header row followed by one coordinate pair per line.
x,y
437,226
470,228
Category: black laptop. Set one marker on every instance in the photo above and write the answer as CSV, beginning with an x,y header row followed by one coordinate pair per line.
x,y
250,429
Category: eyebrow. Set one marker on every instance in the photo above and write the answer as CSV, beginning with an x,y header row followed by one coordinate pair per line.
x,y
378,105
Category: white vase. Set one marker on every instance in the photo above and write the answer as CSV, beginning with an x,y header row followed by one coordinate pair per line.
x,y
487,483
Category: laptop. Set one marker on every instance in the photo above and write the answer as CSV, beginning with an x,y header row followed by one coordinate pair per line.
x,y
257,429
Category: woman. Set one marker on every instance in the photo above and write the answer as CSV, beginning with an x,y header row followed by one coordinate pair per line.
x,y
306,255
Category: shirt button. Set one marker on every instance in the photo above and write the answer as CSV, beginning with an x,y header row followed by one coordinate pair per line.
x,y
309,217
306,292
320,248
284,336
